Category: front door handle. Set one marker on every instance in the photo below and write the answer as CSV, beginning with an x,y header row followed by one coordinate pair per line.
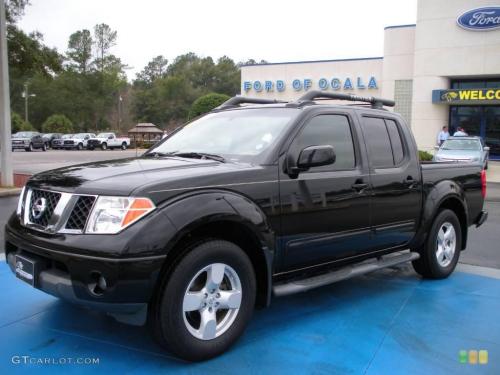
x,y
359,186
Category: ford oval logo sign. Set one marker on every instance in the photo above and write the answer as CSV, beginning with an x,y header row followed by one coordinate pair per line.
x,y
479,19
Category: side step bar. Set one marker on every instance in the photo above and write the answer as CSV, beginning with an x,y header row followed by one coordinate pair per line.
x,y
302,285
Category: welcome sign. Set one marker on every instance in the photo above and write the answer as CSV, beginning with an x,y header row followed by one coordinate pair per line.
x,y
466,96
480,19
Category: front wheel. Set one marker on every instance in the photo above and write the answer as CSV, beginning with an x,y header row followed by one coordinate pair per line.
x,y
79,147
205,304
44,147
440,253
104,146
29,148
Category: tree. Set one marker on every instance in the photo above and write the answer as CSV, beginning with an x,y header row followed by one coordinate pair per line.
x,y
104,39
80,50
57,124
156,69
206,103
18,124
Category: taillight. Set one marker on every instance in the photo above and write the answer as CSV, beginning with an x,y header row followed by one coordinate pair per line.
x,y
483,183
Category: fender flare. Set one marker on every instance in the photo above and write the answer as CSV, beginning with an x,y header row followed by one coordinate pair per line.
x,y
192,210
435,198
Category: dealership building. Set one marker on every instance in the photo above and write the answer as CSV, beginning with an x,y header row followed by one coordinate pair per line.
x,y
443,70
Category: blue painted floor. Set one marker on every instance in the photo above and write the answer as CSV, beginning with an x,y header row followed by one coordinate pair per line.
x,y
389,322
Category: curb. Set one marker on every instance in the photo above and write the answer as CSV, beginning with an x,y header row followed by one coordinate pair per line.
x,y
10,192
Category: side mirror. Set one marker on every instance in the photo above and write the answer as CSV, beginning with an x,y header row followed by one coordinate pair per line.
x,y
87,137
486,148
110,137
316,156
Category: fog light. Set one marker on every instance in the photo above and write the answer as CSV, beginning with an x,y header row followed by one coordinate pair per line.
x,y
98,283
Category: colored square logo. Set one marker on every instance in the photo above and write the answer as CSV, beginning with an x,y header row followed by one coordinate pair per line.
x,y
462,356
483,357
473,357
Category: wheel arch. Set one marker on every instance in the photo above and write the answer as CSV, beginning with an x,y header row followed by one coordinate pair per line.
x,y
221,215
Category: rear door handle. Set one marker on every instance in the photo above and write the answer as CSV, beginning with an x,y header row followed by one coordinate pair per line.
x,y
410,182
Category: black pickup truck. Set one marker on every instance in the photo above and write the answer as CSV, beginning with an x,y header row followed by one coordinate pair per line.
x,y
256,199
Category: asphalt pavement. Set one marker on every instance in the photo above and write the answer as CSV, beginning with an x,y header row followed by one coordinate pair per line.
x,y
38,161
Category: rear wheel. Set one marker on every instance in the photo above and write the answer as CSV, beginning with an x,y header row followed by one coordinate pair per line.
x,y
124,146
439,255
206,302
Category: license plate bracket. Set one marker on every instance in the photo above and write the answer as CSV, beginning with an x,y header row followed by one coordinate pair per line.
x,y
27,269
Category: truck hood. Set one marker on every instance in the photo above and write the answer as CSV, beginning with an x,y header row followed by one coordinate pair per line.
x,y
123,176
20,139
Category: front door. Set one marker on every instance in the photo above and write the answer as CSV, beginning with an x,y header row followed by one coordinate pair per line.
x,y
325,210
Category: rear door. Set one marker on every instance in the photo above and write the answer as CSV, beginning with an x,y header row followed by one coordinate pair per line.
x,y
395,177
325,210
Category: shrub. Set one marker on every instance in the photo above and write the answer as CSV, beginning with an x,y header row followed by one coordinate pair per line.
x,y
206,103
57,124
18,124
424,155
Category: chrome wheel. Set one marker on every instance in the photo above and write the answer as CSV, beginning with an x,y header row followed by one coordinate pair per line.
x,y
212,301
446,244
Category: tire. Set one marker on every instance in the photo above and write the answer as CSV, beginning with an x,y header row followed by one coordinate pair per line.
x,y
29,148
44,147
428,264
124,146
486,166
79,147
182,332
104,146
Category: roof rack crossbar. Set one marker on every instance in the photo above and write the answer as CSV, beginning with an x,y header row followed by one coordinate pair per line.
x,y
238,99
375,102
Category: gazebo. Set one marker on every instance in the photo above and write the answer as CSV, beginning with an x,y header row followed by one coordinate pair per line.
x,y
145,133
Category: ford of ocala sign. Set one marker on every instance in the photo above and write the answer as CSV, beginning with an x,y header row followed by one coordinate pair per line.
x,y
480,19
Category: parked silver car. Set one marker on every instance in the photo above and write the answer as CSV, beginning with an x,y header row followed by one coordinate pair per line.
x,y
463,149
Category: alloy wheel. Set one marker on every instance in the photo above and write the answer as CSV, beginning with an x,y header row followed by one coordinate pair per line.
x,y
212,301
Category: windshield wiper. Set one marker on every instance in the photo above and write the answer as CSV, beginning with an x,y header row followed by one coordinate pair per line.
x,y
157,154
198,155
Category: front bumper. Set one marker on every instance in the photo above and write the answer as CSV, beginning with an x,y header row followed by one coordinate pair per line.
x,y
20,146
68,274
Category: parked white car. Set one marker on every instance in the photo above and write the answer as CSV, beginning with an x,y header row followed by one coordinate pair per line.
x,y
108,140
77,141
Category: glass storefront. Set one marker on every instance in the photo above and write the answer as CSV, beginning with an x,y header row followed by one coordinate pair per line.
x,y
483,121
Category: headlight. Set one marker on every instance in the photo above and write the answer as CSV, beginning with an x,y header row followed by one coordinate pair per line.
x,y
20,202
112,214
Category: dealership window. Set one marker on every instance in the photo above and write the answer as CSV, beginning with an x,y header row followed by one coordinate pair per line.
x,y
475,83
333,130
403,95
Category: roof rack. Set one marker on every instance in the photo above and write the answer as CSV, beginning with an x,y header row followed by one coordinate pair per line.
x,y
378,103
238,99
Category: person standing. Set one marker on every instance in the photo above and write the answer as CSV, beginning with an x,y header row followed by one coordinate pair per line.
x,y
443,135
460,133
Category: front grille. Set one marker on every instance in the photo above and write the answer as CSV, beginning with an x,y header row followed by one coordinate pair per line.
x,y
80,213
68,142
46,202
94,142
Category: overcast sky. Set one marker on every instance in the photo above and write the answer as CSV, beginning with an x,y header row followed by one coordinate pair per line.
x,y
273,30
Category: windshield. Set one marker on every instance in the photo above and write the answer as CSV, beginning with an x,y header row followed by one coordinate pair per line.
x,y
461,144
239,135
24,134
67,136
